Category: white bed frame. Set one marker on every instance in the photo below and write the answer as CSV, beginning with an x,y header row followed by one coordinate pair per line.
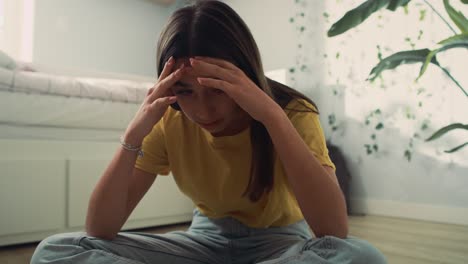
x,y
45,186
46,181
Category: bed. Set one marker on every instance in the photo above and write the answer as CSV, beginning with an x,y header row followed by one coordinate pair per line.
x,y
57,134
89,108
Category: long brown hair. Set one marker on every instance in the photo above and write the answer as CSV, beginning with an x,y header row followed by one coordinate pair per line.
x,y
213,29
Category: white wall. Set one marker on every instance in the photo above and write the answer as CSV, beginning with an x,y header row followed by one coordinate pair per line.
x,y
105,35
120,35
268,22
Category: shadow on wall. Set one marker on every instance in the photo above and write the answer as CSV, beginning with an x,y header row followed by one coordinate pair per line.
x,y
430,178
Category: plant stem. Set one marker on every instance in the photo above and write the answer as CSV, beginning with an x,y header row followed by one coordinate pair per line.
x,y
454,32
441,17
455,81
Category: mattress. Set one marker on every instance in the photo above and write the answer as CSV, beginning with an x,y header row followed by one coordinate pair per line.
x,y
68,112
41,103
114,90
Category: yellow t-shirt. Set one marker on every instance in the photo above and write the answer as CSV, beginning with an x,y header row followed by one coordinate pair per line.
x,y
214,171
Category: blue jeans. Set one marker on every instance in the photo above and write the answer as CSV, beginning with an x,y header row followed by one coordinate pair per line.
x,y
223,240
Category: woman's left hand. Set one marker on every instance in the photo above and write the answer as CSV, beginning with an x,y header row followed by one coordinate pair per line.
x,y
227,77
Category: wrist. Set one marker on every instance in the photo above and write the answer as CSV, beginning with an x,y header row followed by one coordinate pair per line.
x,y
275,116
129,147
130,139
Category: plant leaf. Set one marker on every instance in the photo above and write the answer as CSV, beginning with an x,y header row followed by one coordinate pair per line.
x,y
456,148
394,4
456,41
465,1
357,15
402,57
457,17
446,129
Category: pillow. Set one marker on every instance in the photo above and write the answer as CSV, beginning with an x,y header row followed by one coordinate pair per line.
x,y
25,66
6,61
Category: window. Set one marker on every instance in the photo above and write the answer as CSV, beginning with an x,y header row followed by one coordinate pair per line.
x,y
16,28
2,22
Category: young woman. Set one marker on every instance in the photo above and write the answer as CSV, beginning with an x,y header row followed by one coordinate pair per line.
x,y
249,152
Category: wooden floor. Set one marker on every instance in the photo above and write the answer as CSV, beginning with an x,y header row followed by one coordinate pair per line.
x,y
402,241
406,241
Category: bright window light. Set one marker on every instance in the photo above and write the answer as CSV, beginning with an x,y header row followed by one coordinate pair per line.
x,y
17,28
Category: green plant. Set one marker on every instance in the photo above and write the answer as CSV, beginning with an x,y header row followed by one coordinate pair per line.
x,y
373,119
359,14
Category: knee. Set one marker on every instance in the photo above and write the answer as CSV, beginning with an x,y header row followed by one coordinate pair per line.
x,y
60,239
364,252
52,246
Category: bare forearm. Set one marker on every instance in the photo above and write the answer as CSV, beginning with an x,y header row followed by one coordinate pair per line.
x,y
107,207
319,197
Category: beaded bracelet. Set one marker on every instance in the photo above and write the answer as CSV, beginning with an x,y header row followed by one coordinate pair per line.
x,y
131,147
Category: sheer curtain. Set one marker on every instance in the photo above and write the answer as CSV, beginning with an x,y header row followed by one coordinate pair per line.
x,y
17,28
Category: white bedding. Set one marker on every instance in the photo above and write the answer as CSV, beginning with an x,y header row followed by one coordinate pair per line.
x,y
68,112
113,90
47,106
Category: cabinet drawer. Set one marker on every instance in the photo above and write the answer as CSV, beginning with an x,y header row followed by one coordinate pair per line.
x,y
84,174
32,195
162,199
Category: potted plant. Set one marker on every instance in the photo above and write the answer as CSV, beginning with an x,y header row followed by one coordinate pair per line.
x,y
426,56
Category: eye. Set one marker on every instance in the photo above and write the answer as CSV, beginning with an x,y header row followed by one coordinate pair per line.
x,y
183,92
218,91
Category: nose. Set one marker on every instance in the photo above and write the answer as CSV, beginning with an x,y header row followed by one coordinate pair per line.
x,y
205,109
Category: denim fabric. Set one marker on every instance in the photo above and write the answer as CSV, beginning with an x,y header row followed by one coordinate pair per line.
x,y
223,240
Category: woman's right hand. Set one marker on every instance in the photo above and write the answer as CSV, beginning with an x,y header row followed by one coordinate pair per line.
x,y
158,98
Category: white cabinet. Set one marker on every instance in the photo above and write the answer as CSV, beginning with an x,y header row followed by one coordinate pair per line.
x,y
32,196
45,188
163,199
83,176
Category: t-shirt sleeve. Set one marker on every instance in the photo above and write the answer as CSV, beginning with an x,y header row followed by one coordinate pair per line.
x,y
154,159
307,124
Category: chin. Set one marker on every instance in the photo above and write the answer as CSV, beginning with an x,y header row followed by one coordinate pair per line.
x,y
214,130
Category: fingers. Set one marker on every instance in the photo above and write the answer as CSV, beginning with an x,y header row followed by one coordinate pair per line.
x,y
219,62
162,87
150,91
167,68
170,80
216,84
204,68
166,71
164,101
